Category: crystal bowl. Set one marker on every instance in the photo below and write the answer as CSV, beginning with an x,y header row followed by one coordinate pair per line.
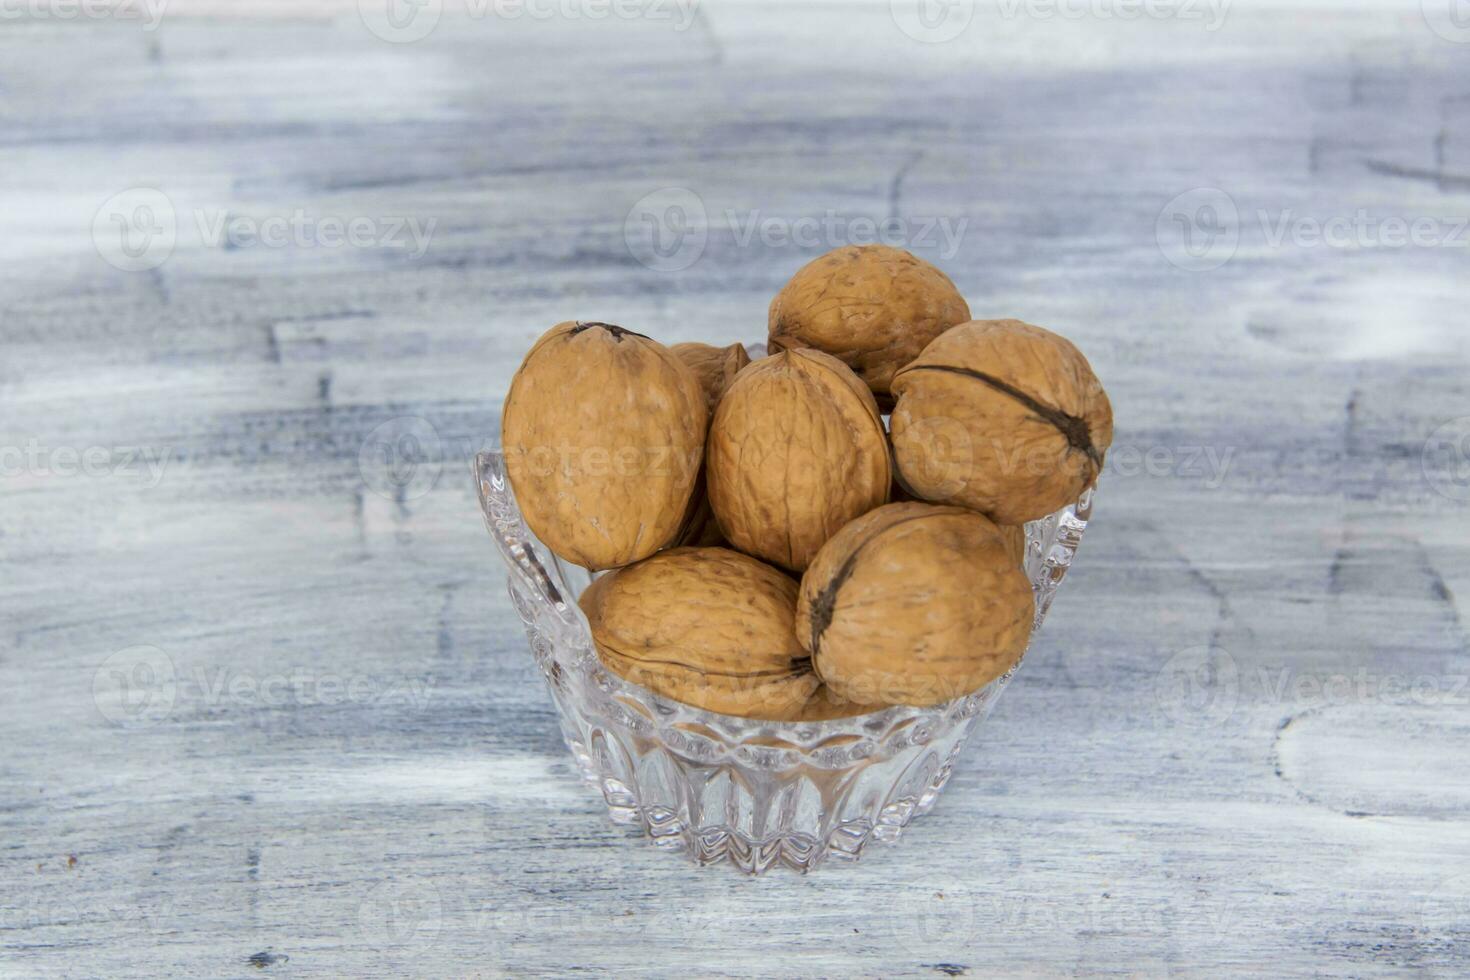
x,y
757,794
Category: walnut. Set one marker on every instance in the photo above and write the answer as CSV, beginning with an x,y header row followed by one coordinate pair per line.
x,y
1014,536
914,604
700,529
796,450
1002,417
603,432
715,367
706,626
872,306
825,705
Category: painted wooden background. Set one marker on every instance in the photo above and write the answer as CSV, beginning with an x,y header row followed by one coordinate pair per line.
x,y
264,705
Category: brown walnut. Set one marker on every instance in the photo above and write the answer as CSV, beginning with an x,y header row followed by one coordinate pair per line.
x,y
700,529
706,626
1014,536
873,307
1002,417
715,367
825,705
796,450
603,432
914,604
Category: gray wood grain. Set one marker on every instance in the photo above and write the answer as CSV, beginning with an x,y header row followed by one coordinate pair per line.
x,y
1238,747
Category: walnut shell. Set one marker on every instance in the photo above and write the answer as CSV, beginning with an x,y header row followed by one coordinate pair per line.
x,y
700,529
707,626
873,307
796,450
1014,536
914,604
1002,417
603,431
825,705
715,367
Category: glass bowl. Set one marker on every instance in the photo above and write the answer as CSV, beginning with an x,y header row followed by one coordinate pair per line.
x,y
757,794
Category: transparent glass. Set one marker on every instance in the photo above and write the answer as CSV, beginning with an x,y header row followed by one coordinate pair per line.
x,y
754,793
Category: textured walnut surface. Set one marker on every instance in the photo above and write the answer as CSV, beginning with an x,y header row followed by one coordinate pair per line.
x,y
796,450
707,626
715,367
1003,417
603,432
914,604
873,307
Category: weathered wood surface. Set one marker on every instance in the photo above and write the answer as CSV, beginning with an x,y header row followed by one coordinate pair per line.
x,y
1239,746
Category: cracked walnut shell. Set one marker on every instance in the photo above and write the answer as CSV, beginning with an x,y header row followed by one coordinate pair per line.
x,y
914,604
873,307
603,432
796,450
1002,417
706,626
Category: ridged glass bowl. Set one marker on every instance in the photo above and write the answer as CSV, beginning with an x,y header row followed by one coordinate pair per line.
x,y
757,794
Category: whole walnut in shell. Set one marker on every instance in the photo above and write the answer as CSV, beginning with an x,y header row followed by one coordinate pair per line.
x,y
871,306
1002,417
715,367
706,626
914,604
603,432
796,450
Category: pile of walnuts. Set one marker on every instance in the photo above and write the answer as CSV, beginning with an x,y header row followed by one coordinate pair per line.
x,y
777,550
